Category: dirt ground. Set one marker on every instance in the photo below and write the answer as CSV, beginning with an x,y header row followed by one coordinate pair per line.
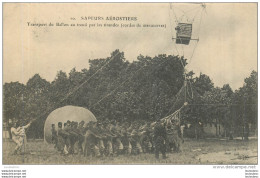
x,y
207,151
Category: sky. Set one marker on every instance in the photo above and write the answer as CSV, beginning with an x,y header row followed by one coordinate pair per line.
x,y
226,51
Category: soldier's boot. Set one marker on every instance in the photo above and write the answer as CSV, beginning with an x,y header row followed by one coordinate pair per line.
x,y
109,148
139,148
149,147
120,148
97,151
101,147
128,149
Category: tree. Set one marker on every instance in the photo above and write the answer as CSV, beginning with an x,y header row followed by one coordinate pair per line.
x,y
13,94
145,89
37,104
59,90
245,101
37,100
203,83
217,108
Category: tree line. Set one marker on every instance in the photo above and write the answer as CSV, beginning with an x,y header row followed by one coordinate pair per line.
x,y
147,88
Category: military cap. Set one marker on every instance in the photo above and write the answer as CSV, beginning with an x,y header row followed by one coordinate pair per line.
x,y
60,124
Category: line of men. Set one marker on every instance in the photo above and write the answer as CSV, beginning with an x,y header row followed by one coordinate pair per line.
x,y
111,138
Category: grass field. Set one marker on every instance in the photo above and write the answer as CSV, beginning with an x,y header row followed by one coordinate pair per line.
x,y
210,151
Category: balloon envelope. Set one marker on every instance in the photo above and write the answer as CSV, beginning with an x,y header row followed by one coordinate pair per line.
x,y
63,114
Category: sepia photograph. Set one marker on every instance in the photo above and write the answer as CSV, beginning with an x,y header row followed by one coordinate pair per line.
x,y
130,83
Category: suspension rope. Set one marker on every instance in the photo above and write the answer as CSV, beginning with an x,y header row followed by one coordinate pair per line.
x,y
193,19
79,86
177,21
185,13
134,73
193,52
201,14
176,99
191,90
186,85
126,81
198,35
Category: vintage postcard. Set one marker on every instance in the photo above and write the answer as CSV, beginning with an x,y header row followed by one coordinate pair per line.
x,y
130,84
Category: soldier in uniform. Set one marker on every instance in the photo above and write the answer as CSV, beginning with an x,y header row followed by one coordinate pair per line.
x,y
95,138
136,141
108,139
100,143
53,135
67,138
117,144
170,141
90,140
61,134
146,140
74,136
127,147
176,135
159,139
81,131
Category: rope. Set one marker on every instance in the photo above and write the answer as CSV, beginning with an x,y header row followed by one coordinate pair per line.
x,y
186,90
200,20
195,15
193,52
123,84
186,12
171,29
76,88
177,21
79,86
191,96
198,35
185,82
170,20
174,104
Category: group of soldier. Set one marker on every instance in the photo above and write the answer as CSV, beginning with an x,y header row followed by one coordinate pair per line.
x,y
111,138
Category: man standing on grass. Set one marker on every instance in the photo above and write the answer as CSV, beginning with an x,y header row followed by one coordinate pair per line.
x,y
159,139
19,136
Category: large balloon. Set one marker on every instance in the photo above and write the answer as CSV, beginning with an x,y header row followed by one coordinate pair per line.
x,y
63,114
